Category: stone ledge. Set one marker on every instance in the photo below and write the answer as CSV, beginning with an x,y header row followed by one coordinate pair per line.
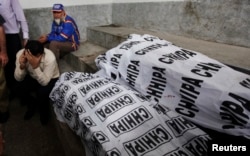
x,y
111,35
83,59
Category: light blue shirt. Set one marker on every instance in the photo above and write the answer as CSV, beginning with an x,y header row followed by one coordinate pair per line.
x,y
13,14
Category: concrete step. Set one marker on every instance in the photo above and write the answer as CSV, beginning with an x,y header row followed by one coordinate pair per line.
x,y
235,56
83,59
64,66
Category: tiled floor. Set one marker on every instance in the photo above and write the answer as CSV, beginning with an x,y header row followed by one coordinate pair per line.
x,y
29,138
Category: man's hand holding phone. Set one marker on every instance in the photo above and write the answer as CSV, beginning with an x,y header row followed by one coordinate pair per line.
x,y
34,61
23,60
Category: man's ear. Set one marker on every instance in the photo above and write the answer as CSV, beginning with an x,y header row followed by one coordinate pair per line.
x,y
64,14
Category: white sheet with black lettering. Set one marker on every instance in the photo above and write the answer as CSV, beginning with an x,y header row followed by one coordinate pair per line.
x,y
200,88
113,120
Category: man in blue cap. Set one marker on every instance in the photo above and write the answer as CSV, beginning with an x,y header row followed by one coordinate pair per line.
x,y
64,36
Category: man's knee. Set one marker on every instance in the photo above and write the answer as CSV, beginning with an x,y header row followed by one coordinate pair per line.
x,y
53,44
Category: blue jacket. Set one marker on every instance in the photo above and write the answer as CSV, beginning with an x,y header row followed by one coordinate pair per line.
x,y
66,31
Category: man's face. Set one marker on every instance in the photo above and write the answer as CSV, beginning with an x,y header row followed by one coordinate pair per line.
x,y
58,14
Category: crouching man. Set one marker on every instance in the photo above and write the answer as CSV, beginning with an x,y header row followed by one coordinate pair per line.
x,y
36,72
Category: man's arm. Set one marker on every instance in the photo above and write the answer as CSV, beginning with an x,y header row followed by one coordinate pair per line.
x,y
44,76
17,8
65,34
20,70
2,40
44,38
3,54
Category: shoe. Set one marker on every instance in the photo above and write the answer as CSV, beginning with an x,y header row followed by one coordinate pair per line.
x,y
4,116
29,114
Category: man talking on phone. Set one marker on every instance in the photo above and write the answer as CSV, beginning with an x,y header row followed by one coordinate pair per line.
x,y
36,72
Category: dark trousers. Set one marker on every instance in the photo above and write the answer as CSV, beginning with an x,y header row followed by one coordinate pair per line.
x,y
13,45
32,94
60,49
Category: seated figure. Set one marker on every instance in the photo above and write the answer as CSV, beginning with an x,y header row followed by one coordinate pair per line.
x,y
36,72
64,36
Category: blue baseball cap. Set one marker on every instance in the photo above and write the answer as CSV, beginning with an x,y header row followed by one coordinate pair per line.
x,y
57,7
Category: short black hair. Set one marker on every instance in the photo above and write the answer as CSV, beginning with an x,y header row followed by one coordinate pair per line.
x,y
35,47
